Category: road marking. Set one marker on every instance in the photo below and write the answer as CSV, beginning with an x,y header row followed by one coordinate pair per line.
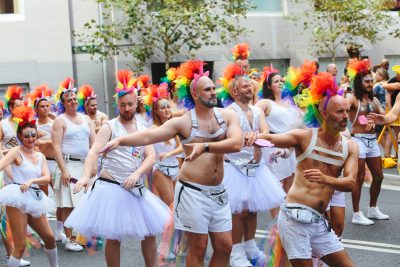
x,y
355,244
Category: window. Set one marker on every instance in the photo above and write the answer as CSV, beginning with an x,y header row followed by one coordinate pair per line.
x,y
158,69
11,10
267,7
280,64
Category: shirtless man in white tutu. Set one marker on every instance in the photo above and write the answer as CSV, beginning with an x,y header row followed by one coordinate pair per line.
x,y
251,186
201,205
322,154
118,205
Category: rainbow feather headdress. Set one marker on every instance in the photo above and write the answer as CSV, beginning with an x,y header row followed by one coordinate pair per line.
x,y
169,78
125,83
67,85
13,92
322,84
42,92
85,94
296,76
186,72
358,67
231,72
154,92
241,51
24,114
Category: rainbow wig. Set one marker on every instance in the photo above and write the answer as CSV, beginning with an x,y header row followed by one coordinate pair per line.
x,y
67,85
322,85
296,77
185,73
85,93
42,92
152,93
125,83
358,67
13,92
241,51
24,115
231,72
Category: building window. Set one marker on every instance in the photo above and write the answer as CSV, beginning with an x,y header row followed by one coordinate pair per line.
x,y
12,10
158,69
280,64
267,7
9,6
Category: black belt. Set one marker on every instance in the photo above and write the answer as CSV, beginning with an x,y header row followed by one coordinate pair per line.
x,y
105,180
189,185
50,158
74,159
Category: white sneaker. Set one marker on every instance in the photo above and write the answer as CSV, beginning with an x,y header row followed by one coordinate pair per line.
x,y
71,245
24,263
359,218
238,257
60,237
375,213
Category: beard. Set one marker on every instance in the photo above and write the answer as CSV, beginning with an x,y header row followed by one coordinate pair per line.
x,y
127,116
211,103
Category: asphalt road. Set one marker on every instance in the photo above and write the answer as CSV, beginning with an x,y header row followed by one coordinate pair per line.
x,y
376,245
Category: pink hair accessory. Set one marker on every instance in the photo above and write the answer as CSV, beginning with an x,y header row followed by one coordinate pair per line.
x,y
201,73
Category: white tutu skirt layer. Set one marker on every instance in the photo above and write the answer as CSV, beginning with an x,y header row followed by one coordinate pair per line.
x,y
282,168
111,212
259,193
27,202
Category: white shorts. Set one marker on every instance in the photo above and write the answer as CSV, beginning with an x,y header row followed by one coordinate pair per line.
x,y
304,241
196,212
338,199
63,195
367,145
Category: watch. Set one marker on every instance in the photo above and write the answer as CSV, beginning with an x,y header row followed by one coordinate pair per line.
x,y
206,147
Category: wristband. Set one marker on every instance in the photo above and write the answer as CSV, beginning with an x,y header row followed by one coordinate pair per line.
x,y
206,147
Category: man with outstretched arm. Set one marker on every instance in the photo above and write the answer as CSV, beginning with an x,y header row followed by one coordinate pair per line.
x,y
322,154
200,203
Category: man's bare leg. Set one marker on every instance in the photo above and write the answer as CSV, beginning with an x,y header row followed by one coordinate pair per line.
x,y
222,246
375,166
238,226
339,259
65,213
197,246
336,216
149,251
112,253
301,263
356,193
250,226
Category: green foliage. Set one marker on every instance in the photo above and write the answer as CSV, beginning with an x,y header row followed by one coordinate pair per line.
x,y
143,28
339,22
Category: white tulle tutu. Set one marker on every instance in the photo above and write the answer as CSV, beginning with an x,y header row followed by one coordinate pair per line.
x,y
283,168
260,193
111,212
11,195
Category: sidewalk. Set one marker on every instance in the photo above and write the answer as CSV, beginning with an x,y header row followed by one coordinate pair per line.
x,y
391,177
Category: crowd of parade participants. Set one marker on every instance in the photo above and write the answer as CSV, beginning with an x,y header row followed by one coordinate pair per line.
x,y
190,160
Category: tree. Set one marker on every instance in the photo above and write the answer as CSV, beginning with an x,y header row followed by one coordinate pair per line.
x,y
339,22
168,27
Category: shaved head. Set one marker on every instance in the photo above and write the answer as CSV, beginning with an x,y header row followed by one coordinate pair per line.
x,y
334,112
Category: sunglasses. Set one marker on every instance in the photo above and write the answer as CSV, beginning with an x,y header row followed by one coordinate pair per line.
x,y
27,135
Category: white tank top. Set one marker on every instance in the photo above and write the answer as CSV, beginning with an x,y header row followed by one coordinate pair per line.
x,y
146,122
9,131
163,147
247,153
281,118
75,141
27,170
124,160
46,128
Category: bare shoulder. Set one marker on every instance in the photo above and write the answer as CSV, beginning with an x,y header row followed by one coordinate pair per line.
x,y
263,103
102,115
352,146
227,112
59,122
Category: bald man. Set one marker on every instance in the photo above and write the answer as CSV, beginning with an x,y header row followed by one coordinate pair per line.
x,y
332,69
322,154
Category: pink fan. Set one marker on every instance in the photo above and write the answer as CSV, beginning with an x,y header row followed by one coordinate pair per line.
x,y
263,143
363,120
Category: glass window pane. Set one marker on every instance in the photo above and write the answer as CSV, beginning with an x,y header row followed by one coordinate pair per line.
x,y
267,6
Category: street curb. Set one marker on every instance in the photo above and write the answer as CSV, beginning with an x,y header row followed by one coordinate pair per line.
x,y
391,179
